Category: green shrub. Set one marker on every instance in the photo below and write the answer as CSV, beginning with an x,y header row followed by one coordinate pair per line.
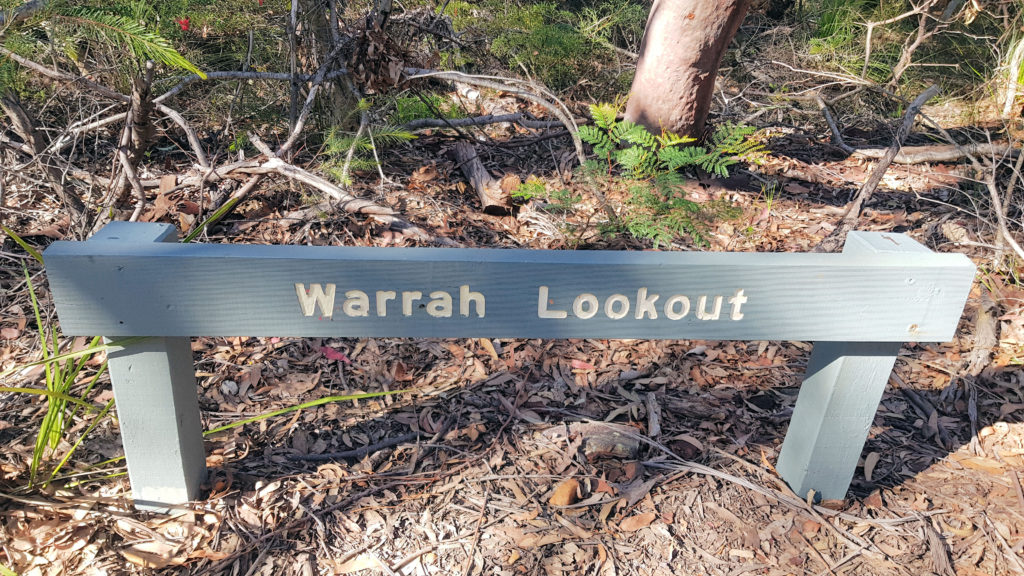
x,y
657,208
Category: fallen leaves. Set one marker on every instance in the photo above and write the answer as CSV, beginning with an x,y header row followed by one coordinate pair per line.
x,y
637,521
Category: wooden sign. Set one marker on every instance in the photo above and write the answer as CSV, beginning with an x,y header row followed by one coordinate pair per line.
x,y
169,289
884,289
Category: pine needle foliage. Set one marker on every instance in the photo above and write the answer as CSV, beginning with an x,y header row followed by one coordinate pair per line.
x,y
121,28
70,26
657,208
373,138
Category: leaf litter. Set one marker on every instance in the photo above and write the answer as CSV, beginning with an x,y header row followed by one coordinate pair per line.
x,y
535,456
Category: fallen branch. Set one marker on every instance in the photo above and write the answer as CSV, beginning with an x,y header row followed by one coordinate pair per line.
x,y
940,153
520,119
493,198
998,206
344,200
835,240
510,86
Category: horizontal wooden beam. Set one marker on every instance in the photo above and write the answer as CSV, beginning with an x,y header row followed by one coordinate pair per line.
x,y
127,288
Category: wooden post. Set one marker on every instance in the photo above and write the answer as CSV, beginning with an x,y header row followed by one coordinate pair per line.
x,y
157,403
839,397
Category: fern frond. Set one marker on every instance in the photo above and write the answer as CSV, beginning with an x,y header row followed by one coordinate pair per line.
x,y
124,30
633,134
637,161
668,139
597,138
604,115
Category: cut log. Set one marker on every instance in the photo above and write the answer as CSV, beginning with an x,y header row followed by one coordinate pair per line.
x,y
493,200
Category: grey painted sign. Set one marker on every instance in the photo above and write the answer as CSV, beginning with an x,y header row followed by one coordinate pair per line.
x,y
123,289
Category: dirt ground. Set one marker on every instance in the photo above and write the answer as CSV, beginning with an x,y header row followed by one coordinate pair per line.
x,y
603,457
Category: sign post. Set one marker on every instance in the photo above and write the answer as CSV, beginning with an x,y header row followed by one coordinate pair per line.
x,y
883,290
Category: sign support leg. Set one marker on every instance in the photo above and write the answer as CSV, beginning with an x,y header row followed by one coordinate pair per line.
x,y
833,414
158,409
157,403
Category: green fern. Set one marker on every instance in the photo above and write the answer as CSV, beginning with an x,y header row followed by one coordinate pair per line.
x,y
604,115
598,138
658,209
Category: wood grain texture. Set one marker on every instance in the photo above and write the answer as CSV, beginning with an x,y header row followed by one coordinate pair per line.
x,y
156,289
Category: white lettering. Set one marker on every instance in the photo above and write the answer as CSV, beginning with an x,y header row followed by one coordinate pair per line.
x,y
702,308
589,310
407,299
645,305
670,307
542,305
308,299
738,300
610,304
382,301
465,297
357,303
441,305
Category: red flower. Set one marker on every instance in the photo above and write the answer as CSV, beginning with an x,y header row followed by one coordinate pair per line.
x,y
183,23
261,2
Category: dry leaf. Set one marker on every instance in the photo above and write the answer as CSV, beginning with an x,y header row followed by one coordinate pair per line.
x,y
870,461
566,493
634,523
361,562
581,365
9,333
153,555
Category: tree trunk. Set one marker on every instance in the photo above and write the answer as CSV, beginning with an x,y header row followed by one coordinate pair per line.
x,y
679,57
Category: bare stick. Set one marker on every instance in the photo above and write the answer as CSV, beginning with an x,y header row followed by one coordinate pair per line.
x,y
838,236
837,137
521,119
63,77
345,201
307,107
993,190
508,85
190,134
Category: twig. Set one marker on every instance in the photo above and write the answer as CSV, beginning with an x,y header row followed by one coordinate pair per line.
x,y
837,137
484,120
468,566
307,107
937,154
507,85
991,185
834,240
346,201
190,134
239,75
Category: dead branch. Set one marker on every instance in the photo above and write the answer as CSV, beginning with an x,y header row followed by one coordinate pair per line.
x,y
940,153
344,200
484,120
512,87
834,240
307,107
493,199
34,147
59,76
998,206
